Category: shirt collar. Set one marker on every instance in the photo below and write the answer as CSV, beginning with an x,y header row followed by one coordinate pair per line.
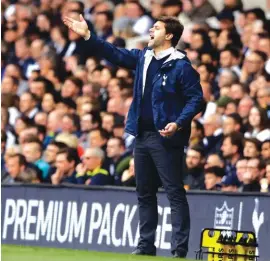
x,y
163,53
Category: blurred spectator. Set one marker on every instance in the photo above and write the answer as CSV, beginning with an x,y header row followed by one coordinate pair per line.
x,y
194,162
265,151
252,148
32,151
18,171
232,148
241,168
212,176
119,159
213,133
214,160
252,176
198,10
258,124
66,160
232,123
90,171
28,104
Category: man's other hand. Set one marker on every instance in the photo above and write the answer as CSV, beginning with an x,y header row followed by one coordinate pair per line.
x,y
169,130
79,27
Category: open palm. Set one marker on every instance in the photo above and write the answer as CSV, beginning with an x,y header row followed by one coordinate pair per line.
x,y
79,27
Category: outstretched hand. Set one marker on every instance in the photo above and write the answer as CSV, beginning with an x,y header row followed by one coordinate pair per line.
x,y
79,27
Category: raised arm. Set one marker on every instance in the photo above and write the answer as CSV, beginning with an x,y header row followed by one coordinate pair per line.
x,y
118,56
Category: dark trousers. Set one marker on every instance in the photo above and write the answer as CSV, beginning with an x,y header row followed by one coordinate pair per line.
x,y
154,162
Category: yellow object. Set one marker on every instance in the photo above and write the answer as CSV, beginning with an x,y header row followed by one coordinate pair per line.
x,y
227,245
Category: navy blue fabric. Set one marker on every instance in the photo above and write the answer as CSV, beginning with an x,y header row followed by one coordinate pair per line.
x,y
146,120
179,100
154,163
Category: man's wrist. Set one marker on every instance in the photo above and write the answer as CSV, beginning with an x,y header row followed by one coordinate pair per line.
x,y
178,127
87,36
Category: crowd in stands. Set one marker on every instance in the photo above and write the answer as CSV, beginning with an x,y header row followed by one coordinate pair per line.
x,y
63,109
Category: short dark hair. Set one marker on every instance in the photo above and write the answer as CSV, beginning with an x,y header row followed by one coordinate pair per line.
x,y
172,26
262,55
236,118
120,141
255,141
71,154
217,171
103,133
236,139
235,52
108,14
58,144
21,158
198,149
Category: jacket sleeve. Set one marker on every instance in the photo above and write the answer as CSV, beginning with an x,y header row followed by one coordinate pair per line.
x,y
193,95
118,56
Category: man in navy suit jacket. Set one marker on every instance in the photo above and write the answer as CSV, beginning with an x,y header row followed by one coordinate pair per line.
x,y
167,95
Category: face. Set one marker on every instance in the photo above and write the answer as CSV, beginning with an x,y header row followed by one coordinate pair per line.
x,y
41,119
107,122
50,153
69,89
263,97
26,103
213,161
21,49
12,70
228,125
227,148
241,168
90,161
209,127
244,108
36,48
95,139
252,168
210,180
265,152
254,117
31,152
67,125
250,150
264,46
86,122
204,74
132,10
105,77
158,35
62,164
193,159
54,122
253,63
222,39
37,88
196,41
8,85
236,92
13,167
113,148
225,59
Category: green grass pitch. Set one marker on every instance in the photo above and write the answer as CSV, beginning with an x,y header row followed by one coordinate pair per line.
x,y
25,253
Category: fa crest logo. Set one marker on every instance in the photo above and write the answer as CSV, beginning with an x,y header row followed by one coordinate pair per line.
x,y
224,217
